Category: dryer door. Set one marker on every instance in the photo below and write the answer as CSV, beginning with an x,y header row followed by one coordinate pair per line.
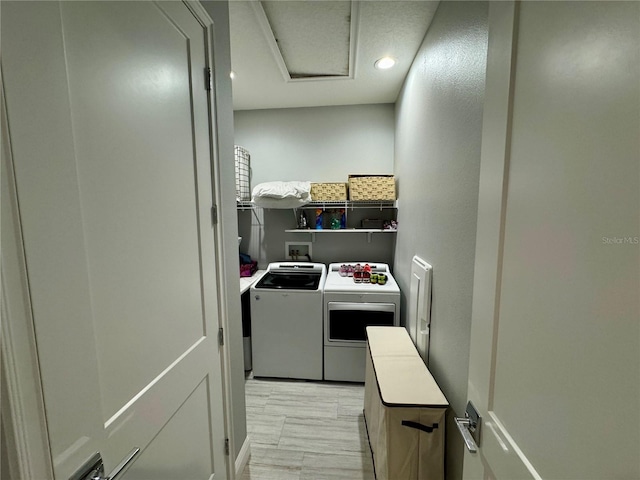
x,y
346,322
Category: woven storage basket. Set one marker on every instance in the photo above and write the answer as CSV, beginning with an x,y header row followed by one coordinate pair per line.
x,y
326,192
372,187
243,172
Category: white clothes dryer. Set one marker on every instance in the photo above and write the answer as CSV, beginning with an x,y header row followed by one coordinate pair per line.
x,y
349,308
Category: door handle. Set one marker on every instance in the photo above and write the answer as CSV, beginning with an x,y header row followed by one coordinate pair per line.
x,y
464,425
93,469
120,467
469,427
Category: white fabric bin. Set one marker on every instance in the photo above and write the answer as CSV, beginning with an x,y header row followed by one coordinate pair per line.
x,y
404,409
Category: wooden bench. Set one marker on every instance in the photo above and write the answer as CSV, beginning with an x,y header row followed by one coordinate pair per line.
x,y
404,409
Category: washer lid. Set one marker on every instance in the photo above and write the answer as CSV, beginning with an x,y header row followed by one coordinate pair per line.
x,y
286,280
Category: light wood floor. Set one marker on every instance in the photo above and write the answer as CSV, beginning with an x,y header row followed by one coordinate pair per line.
x,y
306,431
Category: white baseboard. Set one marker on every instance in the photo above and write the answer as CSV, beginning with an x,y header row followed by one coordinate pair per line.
x,y
243,456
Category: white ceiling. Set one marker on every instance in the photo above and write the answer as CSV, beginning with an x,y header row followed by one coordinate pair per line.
x,y
337,41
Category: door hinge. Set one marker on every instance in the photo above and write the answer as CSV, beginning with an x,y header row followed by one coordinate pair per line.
x,y
221,336
208,79
226,446
214,215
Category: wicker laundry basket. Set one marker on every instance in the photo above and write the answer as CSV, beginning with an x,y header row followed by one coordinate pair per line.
x,y
372,187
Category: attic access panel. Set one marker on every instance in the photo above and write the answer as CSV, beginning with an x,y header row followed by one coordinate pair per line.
x,y
313,36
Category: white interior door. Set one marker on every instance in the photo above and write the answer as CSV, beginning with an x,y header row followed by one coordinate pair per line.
x,y
110,139
554,363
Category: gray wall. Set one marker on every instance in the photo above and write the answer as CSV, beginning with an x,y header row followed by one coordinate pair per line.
x,y
268,244
437,163
319,144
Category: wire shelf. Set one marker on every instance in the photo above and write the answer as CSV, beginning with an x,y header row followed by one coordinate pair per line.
x,y
243,173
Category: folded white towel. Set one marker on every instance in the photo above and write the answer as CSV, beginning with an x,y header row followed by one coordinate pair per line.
x,y
281,194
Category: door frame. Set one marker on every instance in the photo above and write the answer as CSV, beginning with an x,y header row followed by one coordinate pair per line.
x,y
221,251
28,440
492,200
492,205
20,373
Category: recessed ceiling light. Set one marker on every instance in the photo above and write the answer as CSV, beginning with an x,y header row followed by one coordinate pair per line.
x,y
232,74
384,63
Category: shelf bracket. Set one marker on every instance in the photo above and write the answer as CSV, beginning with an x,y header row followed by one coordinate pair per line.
x,y
368,237
243,206
253,210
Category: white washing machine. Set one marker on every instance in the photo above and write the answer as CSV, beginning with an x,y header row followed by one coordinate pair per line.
x,y
286,321
349,308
